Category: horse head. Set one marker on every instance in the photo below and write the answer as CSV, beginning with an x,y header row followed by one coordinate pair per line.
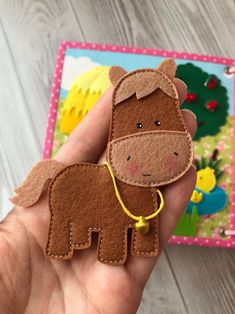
x,y
149,144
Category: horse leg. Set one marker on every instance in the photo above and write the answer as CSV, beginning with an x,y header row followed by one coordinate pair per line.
x,y
146,244
80,236
59,239
112,245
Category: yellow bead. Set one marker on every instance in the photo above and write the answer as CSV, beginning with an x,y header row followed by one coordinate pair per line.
x,y
142,226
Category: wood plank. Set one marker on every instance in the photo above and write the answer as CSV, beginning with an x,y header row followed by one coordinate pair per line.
x,y
34,37
17,128
205,277
161,295
191,26
28,53
106,22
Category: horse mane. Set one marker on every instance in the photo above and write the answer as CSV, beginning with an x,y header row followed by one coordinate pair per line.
x,y
143,83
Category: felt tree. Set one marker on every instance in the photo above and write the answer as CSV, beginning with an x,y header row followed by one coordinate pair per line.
x,y
206,97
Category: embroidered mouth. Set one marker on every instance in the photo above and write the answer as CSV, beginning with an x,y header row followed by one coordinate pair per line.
x,y
146,174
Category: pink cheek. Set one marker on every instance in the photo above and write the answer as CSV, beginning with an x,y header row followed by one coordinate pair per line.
x,y
133,168
170,163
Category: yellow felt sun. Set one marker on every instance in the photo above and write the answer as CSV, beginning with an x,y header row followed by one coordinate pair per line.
x,y
84,93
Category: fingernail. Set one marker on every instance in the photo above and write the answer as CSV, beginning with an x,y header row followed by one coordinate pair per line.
x,y
177,79
192,113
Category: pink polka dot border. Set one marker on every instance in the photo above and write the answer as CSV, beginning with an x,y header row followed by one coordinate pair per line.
x,y
48,144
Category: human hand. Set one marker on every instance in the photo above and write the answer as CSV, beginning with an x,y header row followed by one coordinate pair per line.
x,y
31,283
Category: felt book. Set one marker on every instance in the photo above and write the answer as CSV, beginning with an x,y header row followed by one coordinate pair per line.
x,y
82,76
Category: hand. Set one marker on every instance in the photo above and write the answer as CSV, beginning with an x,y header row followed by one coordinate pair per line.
x,y
31,283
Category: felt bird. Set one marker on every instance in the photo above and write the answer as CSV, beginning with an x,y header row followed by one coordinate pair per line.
x,y
206,179
207,196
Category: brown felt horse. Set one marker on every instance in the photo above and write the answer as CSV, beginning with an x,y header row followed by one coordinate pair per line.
x,y
149,146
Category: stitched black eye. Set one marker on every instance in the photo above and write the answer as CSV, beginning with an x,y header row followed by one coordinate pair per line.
x,y
157,123
176,154
139,125
129,157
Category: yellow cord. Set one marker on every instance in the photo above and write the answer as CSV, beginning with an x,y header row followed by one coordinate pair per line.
x,y
141,220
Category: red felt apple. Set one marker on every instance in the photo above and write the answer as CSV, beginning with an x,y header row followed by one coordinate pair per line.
x,y
211,105
190,97
211,82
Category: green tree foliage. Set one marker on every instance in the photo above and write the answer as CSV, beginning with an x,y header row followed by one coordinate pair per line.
x,y
209,120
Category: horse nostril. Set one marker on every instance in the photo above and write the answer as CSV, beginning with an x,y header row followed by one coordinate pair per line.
x,y
176,154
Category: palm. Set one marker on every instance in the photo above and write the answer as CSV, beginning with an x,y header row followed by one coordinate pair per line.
x,y
81,283
32,283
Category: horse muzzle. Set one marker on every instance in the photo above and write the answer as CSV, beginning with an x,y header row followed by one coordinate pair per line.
x,y
151,158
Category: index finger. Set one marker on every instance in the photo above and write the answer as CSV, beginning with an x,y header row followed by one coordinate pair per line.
x,y
89,139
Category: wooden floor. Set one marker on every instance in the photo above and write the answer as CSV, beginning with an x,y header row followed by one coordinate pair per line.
x,y
186,279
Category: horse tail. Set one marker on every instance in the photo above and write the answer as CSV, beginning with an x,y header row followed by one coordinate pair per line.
x,y
30,190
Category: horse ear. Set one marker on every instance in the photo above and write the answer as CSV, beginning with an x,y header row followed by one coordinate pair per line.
x,y
168,67
115,73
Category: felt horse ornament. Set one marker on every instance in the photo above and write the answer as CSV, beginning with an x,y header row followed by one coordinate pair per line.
x,y
149,146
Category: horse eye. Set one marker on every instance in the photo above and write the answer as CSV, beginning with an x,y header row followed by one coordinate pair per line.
x,y
157,123
129,157
139,125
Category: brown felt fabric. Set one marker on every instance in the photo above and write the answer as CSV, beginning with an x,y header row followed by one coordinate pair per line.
x,y
115,73
166,156
168,67
30,190
157,105
82,200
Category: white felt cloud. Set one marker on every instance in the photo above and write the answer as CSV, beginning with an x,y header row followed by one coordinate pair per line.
x,y
74,67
